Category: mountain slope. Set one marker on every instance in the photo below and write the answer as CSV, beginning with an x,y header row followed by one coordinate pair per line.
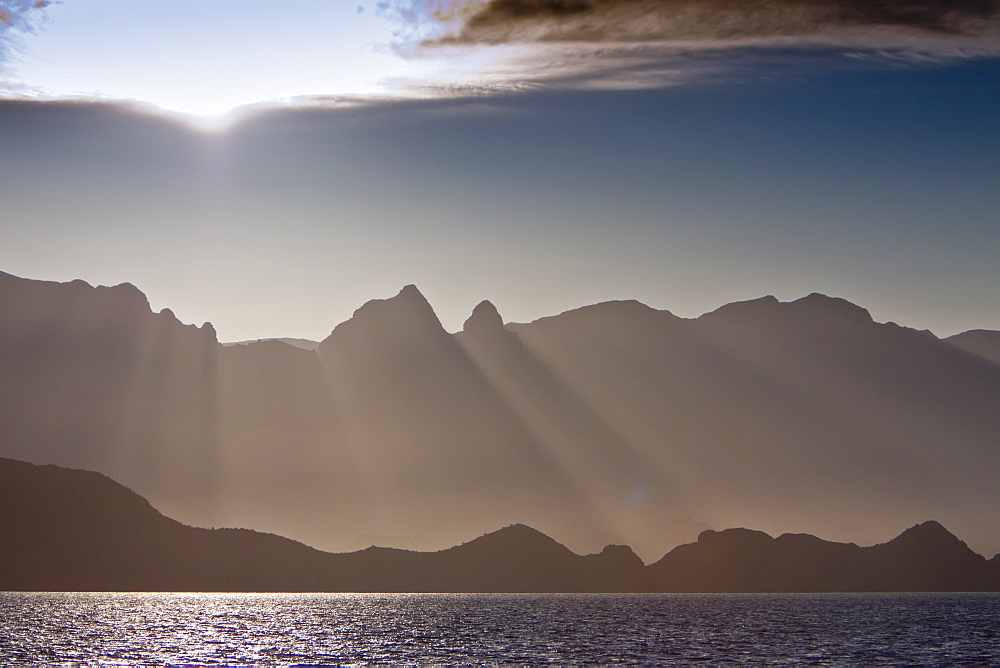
x,y
435,443
92,377
71,530
787,415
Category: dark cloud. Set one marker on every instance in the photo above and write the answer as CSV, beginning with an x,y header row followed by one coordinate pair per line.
x,y
633,44
632,21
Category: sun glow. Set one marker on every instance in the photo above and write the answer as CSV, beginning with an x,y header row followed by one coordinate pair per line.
x,y
206,61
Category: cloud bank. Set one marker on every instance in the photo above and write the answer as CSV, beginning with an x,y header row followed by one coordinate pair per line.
x,y
630,21
649,43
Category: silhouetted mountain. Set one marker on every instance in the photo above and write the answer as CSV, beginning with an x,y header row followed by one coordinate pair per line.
x,y
276,439
484,331
925,557
434,443
786,415
993,573
514,559
982,342
70,530
92,377
611,423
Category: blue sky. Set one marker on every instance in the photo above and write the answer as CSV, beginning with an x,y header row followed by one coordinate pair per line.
x,y
541,174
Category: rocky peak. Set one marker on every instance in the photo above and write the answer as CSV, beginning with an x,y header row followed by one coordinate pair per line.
x,y
484,333
126,295
485,317
408,300
751,308
729,536
208,330
930,534
822,305
622,555
407,312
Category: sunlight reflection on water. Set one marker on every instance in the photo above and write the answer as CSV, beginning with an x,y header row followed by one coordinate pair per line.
x,y
285,629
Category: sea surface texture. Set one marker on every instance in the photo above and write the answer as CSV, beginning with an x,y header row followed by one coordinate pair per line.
x,y
288,629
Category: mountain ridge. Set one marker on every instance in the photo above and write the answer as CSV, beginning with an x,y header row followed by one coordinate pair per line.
x,y
71,530
411,290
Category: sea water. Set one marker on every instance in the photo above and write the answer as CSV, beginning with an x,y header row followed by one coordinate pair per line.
x,y
288,629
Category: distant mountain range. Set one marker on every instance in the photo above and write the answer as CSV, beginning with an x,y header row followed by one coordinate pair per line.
x,y
982,342
70,530
304,344
613,423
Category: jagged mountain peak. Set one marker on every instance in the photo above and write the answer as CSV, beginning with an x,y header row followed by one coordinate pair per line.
x,y
404,311
484,334
484,317
408,296
410,291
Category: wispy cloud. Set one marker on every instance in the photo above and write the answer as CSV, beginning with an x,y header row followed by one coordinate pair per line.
x,y
18,17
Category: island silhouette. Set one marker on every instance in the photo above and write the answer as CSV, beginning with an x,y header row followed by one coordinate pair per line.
x,y
615,423
71,530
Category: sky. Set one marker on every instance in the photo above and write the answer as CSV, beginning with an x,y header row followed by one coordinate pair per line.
x,y
271,168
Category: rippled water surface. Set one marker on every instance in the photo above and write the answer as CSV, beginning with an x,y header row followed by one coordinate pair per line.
x,y
928,629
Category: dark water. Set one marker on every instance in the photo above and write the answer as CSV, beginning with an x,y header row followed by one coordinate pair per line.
x,y
860,629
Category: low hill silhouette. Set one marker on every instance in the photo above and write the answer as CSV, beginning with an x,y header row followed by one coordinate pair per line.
x,y
926,557
71,530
